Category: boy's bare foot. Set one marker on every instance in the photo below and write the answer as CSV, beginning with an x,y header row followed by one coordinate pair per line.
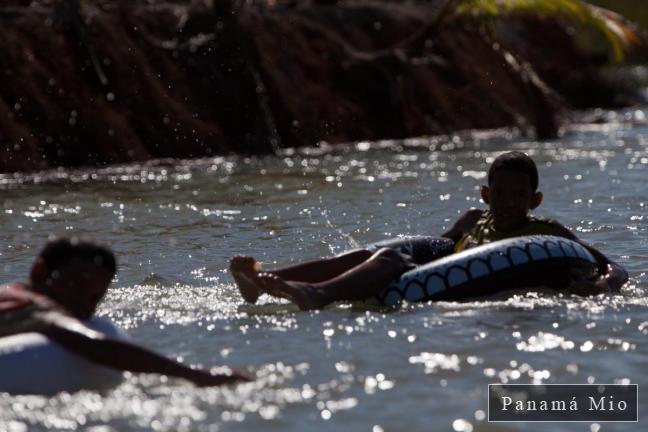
x,y
303,294
244,269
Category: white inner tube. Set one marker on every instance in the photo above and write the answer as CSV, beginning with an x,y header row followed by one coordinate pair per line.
x,y
31,364
518,262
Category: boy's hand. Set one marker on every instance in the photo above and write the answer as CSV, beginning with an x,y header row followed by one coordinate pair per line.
x,y
611,281
587,287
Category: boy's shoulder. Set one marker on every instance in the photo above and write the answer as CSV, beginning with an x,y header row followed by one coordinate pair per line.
x,y
15,296
464,224
473,214
553,226
559,229
19,309
469,219
19,295
544,220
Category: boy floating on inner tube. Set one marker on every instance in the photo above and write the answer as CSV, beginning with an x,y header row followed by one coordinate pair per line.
x,y
68,280
511,193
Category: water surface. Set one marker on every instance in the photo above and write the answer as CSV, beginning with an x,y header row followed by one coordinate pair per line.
x,y
174,224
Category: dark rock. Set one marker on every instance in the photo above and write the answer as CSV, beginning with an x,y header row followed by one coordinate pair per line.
x,y
101,82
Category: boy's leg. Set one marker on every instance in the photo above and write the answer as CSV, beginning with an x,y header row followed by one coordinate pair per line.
x,y
361,282
244,268
323,269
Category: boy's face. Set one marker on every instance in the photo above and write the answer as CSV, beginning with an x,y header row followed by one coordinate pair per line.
x,y
78,286
510,198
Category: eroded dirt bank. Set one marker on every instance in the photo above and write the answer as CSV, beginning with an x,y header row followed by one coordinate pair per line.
x,y
107,82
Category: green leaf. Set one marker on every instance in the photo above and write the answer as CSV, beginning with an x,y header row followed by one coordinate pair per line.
x,y
616,33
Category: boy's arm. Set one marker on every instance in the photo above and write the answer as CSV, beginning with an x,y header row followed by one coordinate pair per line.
x,y
118,354
464,224
612,278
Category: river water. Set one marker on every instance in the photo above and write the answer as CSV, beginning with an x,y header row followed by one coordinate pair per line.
x,y
424,367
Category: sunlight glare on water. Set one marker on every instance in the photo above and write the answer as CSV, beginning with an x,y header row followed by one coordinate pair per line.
x,y
175,224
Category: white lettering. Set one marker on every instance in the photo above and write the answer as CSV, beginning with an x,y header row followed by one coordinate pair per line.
x,y
594,406
607,405
573,406
558,406
506,401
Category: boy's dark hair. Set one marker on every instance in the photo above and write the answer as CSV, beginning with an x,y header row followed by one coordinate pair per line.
x,y
59,251
518,162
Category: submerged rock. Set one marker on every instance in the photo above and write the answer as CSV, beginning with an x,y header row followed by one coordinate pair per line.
x,y
101,82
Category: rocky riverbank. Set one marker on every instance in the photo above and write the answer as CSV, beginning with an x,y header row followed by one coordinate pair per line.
x,y
101,82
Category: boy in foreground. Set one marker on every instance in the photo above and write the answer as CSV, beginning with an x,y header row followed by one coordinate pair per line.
x,y
68,280
511,194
